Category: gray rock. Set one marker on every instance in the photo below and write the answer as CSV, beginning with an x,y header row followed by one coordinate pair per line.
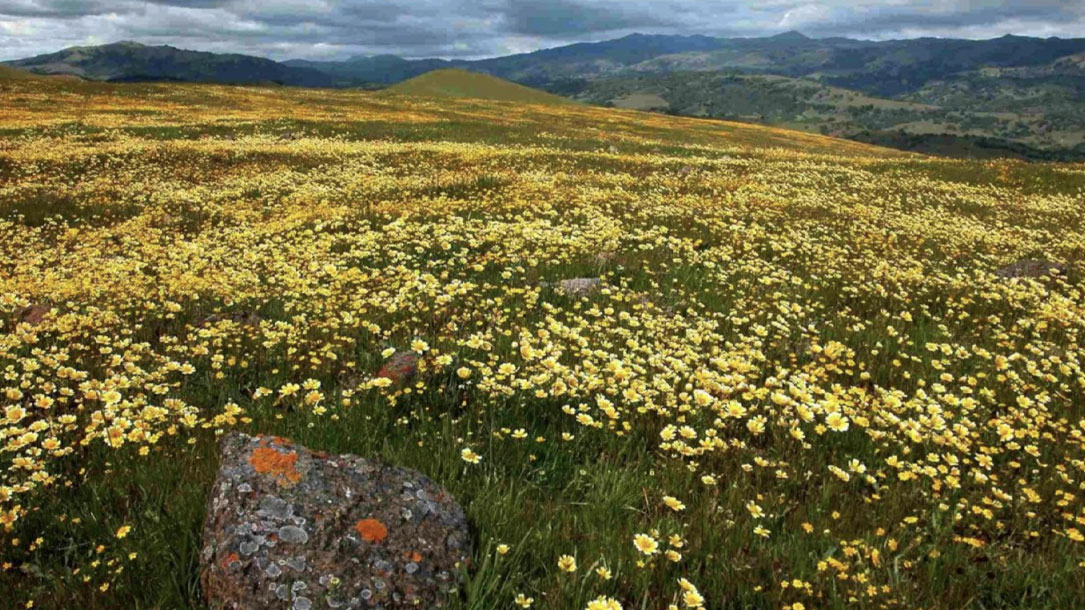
x,y
333,525
33,315
244,318
580,286
1032,268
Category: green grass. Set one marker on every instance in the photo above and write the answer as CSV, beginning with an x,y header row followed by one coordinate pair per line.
x,y
453,82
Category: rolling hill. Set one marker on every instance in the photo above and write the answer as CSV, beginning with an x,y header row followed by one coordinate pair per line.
x,y
131,61
1019,93
1026,115
8,73
452,82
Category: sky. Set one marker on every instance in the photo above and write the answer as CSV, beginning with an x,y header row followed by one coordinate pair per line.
x,y
338,29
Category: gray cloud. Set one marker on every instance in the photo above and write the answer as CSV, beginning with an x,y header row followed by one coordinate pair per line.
x,y
191,3
993,17
321,29
565,17
55,9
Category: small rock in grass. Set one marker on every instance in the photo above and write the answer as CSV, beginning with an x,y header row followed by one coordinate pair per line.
x,y
247,318
581,286
326,530
1032,268
33,315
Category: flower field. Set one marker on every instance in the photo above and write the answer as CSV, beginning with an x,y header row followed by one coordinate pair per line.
x,y
800,383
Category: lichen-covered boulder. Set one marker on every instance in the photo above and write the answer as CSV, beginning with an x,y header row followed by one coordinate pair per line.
x,y
1031,268
295,529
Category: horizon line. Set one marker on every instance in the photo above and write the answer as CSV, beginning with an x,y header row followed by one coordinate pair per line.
x,y
483,58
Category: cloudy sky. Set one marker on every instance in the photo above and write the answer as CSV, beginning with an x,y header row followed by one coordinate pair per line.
x,y
336,29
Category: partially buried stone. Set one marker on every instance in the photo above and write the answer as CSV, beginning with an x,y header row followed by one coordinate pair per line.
x,y
400,368
319,529
33,315
580,286
246,318
1031,268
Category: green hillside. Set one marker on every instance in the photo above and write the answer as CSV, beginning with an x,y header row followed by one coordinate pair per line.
x,y
453,82
7,73
1040,116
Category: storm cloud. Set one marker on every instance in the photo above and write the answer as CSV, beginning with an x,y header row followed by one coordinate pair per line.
x,y
336,29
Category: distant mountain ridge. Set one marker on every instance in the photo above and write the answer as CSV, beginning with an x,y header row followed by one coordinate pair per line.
x,y
131,61
381,69
883,68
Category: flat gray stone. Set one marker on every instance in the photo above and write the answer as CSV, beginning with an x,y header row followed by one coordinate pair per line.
x,y
1032,268
580,286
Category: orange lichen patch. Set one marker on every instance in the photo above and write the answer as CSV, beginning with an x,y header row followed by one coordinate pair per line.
x,y
414,556
232,557
400,368
269,461
371,530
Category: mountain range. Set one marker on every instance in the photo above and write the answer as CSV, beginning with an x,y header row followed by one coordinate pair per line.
x,y
134,62
1012,95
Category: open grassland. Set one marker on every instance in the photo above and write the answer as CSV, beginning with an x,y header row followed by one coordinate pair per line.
x,y
802,386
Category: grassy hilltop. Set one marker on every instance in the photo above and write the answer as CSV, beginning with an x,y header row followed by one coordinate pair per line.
x,y
453,82
802,385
